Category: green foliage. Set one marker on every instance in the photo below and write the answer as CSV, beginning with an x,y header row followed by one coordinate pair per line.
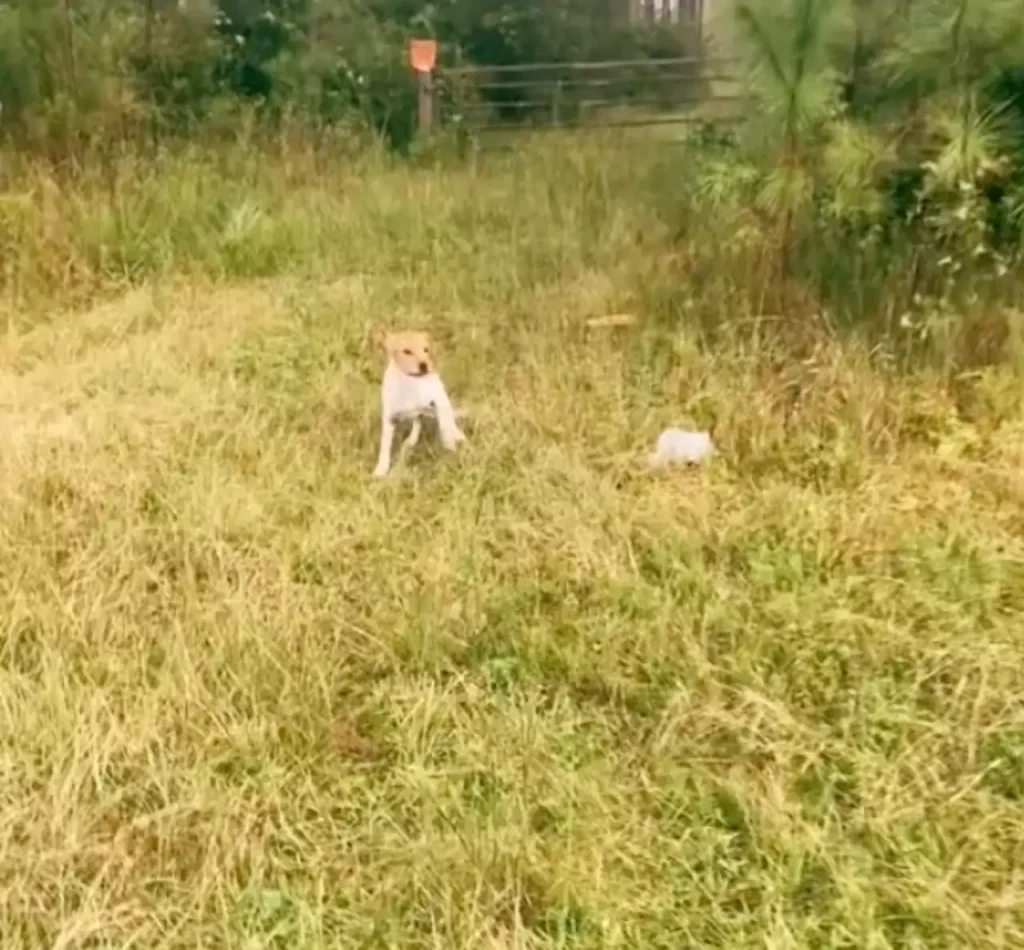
x,y
67,69
881,138
785,50
64,74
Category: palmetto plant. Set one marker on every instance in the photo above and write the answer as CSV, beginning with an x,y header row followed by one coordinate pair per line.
x,y
960,57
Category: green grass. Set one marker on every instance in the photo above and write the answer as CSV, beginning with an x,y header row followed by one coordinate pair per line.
x,y
531,696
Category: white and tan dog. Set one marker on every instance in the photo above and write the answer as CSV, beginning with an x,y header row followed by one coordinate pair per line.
x,y
411,390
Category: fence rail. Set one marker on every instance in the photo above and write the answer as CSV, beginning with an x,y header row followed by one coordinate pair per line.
x,y
584,66
607,93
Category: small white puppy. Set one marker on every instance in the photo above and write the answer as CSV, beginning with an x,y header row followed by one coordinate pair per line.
x,y
411,390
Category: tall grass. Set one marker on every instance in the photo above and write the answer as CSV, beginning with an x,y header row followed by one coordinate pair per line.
x,y
680,218
532,696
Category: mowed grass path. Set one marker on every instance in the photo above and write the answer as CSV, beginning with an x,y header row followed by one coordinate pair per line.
x,y
533,696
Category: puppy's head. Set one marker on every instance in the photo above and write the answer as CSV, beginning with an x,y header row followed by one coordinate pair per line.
x,y
410,352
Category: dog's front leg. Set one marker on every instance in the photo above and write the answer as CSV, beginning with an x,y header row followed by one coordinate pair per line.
x,y
387,437
414,433
448,428
412,438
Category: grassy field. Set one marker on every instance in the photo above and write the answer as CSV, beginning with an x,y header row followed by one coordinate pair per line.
x,y
532,696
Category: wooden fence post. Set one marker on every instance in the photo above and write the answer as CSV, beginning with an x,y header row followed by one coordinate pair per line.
x,y
425,103
422,58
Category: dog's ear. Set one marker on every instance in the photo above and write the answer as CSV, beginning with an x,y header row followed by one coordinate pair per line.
x,y
377,339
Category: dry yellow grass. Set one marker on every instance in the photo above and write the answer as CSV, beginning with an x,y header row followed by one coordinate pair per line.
x,y
533,696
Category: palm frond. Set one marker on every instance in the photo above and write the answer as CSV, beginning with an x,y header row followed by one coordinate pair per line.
x,y
786,191
763,48
787,51
852,163
971,143
808,17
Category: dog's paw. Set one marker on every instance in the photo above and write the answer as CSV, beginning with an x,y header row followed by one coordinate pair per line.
x,y
381,471
451,440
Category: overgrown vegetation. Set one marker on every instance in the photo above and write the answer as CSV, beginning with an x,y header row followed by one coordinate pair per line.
x,y
535,695
169,65
888,149
881,168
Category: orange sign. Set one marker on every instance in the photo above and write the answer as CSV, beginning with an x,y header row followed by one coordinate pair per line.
x,y
422,55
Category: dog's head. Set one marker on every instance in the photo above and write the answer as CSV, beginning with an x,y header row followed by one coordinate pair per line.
x,y
410,352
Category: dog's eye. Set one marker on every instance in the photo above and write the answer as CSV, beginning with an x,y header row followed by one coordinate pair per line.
x,y
407,352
